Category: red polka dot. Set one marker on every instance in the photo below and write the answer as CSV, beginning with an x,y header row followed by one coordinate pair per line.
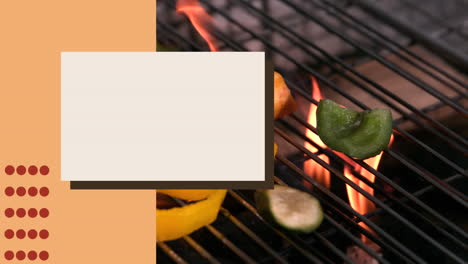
x,y
9,212
20,191
9,255
9,191
21,170
32,191
44,234
32,170
9,170
20,234
20,212
32,212
44,191
44,255
32,234
20,255
44,170
32,255
44,213
9,234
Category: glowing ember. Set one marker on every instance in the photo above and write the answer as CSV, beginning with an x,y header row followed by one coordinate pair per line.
x,y
199,18
312,168
358,201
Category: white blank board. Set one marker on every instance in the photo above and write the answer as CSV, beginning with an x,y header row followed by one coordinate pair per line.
x,y
154,116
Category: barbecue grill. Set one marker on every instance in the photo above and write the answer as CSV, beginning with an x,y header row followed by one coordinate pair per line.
x,y
400,55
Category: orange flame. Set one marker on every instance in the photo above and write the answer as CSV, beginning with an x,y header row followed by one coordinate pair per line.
x,y
199,18
358,201
312,168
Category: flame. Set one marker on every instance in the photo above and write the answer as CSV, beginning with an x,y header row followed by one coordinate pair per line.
x,y
358,201
199,18
312,168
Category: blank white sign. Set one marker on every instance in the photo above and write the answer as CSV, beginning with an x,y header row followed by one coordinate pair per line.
x,y
154,116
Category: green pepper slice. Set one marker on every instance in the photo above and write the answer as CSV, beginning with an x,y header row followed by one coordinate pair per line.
x,y
357,134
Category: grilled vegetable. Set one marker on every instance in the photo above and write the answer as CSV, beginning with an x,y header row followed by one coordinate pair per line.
x,y
289,208
189,195
284,103
177,222
358,134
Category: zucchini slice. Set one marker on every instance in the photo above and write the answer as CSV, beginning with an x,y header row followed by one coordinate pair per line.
x,y
289,208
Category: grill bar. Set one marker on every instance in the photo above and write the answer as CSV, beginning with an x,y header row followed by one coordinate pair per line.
x,y
389,43
203,252
239,252
386,41
371,198
454,166
171,253
346,207
440,47
322,78
252,235
382,177
345,232
428,109
342,220
367,89
391,66
305,252
391,198
447,27
337,89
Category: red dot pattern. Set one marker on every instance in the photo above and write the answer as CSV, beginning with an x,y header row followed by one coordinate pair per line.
x,y
44,234
32,255
21,170
9,255
20,233
9,234
44,212
32,191
20,191
32,234
44,191
44,255
32,170
9,191
32,212
44,170
21,212
9,212
9,170
20,255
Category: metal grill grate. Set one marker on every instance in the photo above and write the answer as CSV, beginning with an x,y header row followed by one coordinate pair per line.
x,y
420,189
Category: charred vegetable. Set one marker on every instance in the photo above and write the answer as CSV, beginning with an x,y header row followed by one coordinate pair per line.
x,y
177,222
289,208
284,103
357,134
188,195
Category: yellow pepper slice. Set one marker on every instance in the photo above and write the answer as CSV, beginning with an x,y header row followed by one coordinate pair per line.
x,y
188,195
177,222
275,149
284,103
